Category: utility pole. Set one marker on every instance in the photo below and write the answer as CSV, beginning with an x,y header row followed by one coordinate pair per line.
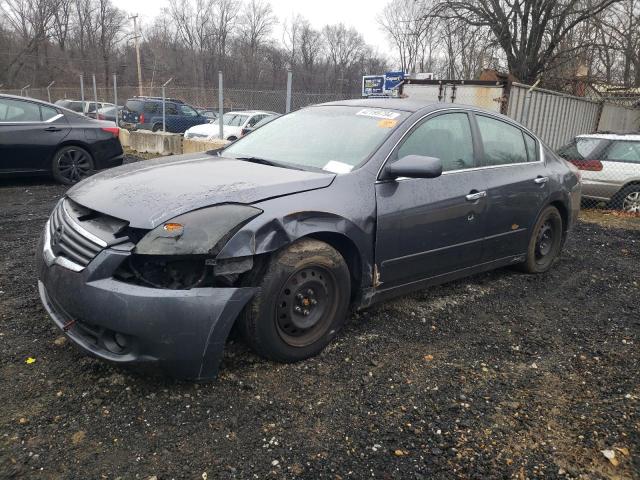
x,y
136,38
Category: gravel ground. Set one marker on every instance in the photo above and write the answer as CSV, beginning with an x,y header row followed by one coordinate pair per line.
x,y
502,375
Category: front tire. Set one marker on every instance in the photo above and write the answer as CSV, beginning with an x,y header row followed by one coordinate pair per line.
x,y
302,303
545,242
72,164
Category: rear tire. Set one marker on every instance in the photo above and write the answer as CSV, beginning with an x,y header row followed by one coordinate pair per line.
x,y
627,199
545,242
232,138
157,127
301,305
71,164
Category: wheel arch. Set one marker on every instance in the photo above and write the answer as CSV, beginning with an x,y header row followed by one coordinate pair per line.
x,y
263,236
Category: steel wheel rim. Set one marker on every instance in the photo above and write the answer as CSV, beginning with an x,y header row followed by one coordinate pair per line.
x,y
544,241
306,305
74,165
631,202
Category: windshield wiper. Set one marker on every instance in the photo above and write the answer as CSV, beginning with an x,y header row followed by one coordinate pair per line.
x,y
264,161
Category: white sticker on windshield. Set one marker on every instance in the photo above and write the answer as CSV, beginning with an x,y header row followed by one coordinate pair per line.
x,y
378,113
334,166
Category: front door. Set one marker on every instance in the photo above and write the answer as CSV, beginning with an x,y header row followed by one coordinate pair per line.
x,y
429,227
29,135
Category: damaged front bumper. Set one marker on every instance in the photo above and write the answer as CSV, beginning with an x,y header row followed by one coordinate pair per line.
x,y
184,331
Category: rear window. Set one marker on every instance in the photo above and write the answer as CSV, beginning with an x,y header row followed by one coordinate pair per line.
x,y
152,107
581,148
134,105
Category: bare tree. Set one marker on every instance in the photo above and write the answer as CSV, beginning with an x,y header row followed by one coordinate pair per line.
x,y
528,32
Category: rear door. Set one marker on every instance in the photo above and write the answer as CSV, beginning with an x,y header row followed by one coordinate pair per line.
x,y
620,166
432,226
29,134
517,185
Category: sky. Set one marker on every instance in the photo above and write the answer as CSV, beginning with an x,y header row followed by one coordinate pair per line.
x,y
360,14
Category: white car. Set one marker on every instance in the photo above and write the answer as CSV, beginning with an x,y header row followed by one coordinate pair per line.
x,y
610,165
232,125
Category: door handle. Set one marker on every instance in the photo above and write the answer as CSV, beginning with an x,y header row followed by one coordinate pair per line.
x,y
541,180
472,197
52,129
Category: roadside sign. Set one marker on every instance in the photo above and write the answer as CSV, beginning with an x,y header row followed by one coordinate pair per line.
x,y
392,80
373,85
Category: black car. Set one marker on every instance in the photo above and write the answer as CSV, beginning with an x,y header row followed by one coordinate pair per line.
x,y
330,207
146,113
41,138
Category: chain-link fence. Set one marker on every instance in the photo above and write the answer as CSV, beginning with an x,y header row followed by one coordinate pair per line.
x,y
175,108
596,135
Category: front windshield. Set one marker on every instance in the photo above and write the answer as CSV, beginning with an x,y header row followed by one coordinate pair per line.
x,y
233,119
333,138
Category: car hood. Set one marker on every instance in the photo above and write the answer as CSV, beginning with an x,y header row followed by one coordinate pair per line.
x,y
150,192
203,129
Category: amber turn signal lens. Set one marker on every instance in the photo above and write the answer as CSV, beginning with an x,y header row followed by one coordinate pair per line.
x,y
172,227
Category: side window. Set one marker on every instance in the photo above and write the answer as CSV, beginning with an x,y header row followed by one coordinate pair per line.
x,y
188,111
625,151
18,111
48,113
503,143
447,137
530,144
255,119
151,107
170,109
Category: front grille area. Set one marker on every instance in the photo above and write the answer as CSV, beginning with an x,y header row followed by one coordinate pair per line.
x,y
69,239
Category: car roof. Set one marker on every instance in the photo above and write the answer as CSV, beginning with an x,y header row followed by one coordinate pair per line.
x,y
403,104
250,112
634,137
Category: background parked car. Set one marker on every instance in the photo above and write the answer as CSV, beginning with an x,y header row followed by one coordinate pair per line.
x,y
233,124
610,165
210,113
146,113
85,108
110,114
41,138
246,130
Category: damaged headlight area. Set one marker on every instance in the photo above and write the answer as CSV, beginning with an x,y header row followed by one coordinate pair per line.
x,y
180,253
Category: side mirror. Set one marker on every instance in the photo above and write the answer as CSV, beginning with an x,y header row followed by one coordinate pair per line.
x,y
414,166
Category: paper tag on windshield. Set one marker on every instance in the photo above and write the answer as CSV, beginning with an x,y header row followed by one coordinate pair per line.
x,y
334,166
378,113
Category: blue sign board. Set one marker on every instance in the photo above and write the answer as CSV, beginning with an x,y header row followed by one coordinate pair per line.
x,y
392,80
373,85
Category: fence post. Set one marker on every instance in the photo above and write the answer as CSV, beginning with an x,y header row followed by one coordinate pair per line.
x,y
49,90
220,106
164,114
115,92
24,91
95,95
289,82
82,91
527,105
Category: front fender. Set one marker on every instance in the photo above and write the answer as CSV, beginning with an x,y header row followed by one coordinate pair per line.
x,y
266,234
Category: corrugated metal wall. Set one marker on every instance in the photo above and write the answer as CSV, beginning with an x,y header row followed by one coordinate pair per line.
x,y
555,117
483,96
619,119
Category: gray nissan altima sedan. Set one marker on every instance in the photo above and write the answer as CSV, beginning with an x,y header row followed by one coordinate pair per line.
x,y
334,206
